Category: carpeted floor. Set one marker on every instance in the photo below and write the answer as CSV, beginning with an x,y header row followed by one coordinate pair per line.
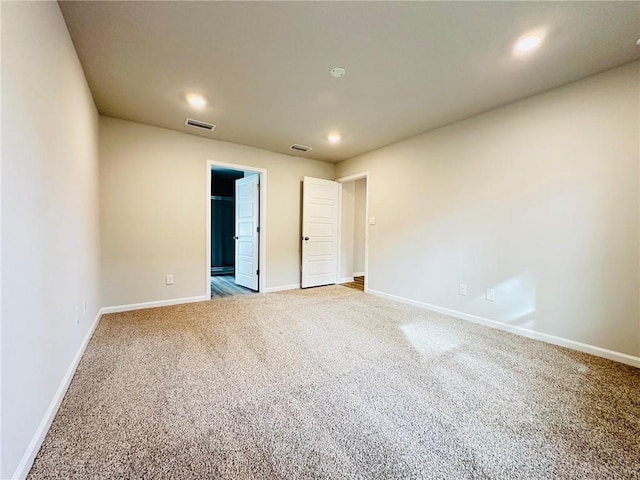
x,y
333,383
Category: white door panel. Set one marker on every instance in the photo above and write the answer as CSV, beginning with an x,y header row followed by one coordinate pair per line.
x,y
247,237
321,248
320,230
320,203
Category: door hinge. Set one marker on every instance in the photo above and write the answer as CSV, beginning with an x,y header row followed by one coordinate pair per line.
x,y
258,186
257,272
258,229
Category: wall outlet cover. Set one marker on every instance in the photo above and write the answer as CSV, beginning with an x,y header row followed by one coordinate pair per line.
x,y
462,289
491,295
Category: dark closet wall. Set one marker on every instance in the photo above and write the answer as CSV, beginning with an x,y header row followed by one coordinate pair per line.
x,y
223,207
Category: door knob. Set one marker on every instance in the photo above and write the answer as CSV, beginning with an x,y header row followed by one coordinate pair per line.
x,y
306,238
235,238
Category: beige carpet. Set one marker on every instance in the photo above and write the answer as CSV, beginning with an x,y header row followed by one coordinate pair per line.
x,y
333,383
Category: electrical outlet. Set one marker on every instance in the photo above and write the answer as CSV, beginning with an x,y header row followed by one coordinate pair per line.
x,y
462,289
77,316
491,295
169,279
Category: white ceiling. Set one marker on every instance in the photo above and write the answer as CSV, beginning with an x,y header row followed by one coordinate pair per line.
x,y
264,66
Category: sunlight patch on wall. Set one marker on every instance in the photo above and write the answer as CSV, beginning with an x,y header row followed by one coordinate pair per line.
x,y
520,295
515,301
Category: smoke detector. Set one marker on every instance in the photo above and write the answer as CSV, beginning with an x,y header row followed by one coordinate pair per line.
x,y
338,72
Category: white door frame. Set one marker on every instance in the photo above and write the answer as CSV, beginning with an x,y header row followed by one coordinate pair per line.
x,y
262,235
351,178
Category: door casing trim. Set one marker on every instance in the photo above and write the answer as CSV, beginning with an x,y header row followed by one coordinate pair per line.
x,y
351,178
262,234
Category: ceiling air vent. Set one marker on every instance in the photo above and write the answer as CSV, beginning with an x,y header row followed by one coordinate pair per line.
x,y
198,124
300,148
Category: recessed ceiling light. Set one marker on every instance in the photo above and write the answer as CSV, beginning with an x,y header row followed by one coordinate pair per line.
x,y
334,137
196,101
338,72
528,43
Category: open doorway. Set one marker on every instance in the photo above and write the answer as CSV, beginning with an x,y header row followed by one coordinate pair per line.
x,y
235,228
354,231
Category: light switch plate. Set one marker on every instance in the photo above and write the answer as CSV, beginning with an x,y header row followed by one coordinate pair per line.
x,y
491,295
372,220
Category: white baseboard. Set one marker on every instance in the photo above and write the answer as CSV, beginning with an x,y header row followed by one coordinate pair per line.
x,y
345,280
159,303
525,332
282,288
358,274
36,442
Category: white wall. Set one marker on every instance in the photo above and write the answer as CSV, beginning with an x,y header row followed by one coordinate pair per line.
x,y
538,200
50,243
359,222
153,200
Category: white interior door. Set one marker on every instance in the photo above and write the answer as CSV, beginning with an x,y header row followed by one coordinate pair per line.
x,y
247,231
320,204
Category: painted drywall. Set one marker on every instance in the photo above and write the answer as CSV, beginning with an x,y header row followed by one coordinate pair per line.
x,y
152,210
359,222
538,200
347,229
50,243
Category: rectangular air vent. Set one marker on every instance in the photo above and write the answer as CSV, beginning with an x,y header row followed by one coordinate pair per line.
x,y
198,124
300,148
